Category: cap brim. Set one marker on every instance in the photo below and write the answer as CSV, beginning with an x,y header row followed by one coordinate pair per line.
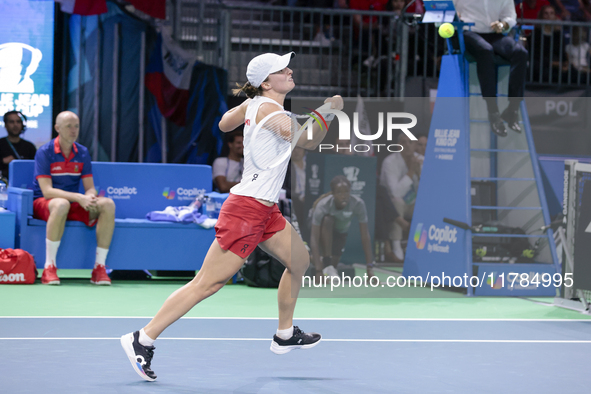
x,y
282,62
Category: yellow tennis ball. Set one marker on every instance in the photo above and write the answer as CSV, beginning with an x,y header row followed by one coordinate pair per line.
x,y
446,30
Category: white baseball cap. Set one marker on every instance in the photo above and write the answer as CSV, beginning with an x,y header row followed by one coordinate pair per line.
x,y
261,66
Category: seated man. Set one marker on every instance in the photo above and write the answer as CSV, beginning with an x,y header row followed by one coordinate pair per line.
x,y
331,217
59,166
13,147
227,171
493,19
400,176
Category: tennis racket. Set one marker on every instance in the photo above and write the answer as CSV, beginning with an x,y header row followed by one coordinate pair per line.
x,y
276,135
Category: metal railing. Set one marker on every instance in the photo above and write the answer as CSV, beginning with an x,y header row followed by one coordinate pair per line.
x,y
336,56
554,60
333,54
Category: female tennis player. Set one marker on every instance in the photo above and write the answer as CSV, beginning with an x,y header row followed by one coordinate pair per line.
x,y
248,218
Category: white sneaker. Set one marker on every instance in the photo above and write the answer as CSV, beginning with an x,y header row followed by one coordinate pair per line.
x,y
398,252
330,271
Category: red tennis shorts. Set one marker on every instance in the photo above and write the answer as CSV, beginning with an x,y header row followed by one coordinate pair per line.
x,y
244,223
76,213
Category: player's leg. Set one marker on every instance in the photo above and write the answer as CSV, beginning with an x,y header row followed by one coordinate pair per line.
x,y
517,55
55,213
397,230
287,246
105,222
105,225
58,213
219,266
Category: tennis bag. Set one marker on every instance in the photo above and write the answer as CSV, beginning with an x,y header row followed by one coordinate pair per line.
x,y
262,270
17,267
502,249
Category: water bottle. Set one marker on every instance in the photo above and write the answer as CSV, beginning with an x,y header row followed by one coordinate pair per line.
x,y
210,207
3,194
196,204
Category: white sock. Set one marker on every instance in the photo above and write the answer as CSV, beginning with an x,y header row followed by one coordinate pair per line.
x,y
397,244
145,340
101,256
285,334
51,248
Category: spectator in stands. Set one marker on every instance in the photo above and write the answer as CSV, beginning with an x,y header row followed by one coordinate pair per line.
x,y
531,8
13,147
60,165
547,48
387,215
227,171
494,18
331,218
421,146
417,7
578,50
389,24
400,176
570,10
586,9
298,167
367,28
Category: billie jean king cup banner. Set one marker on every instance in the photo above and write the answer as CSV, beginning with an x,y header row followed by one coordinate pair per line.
x,y
26,65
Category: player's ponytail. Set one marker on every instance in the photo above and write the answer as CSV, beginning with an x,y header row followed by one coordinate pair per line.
x,y
249,90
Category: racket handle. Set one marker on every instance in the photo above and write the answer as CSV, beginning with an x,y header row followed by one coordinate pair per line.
x,y
461,225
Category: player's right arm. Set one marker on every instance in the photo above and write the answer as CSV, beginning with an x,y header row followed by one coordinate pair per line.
x,y
234,117
318,133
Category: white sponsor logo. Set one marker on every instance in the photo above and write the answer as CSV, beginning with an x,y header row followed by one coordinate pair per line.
x,y
351,173
440,235
11,277
190,192
121,191
18,62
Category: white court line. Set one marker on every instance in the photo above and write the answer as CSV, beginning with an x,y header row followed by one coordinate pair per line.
x,y
303,318
326,340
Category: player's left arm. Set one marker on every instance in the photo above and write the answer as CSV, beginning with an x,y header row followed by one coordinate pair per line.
x,y
366,242
361,213
234,117
318,132
88,183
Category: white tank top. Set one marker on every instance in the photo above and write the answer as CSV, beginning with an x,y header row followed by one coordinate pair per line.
x,y
264,185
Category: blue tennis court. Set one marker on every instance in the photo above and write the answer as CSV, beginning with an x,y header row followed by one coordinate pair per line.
x,y
231,355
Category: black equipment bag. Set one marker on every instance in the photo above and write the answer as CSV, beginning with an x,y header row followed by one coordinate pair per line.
x,y
501,249
262,270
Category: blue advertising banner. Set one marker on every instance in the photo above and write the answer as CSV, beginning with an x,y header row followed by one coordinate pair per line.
x,y
26,65
434,246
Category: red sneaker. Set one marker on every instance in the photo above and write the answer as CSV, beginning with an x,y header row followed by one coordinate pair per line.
x,y
99,276
49,276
